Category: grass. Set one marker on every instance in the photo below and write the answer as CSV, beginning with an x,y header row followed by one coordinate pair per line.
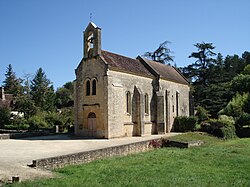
x,y
217,163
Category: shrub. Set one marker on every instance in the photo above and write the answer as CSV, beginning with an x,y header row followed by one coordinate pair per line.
x,y
37,122
18,123
236,105
243,120
184,124
222,127
227,119
155,143
202,114
54,119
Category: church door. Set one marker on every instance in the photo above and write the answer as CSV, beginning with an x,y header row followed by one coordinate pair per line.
x,y
92,124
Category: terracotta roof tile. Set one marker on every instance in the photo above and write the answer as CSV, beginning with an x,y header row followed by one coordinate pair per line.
x,y
166,71
126,64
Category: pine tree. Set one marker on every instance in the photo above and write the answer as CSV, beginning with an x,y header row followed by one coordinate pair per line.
x,y
162,54
12,84
42,91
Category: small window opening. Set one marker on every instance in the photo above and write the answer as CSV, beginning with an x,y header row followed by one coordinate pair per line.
x,y
94,87
88,87
146,103
128,102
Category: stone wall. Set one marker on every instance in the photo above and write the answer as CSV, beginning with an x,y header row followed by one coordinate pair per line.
x,y
170,90
88,156
86,104
122,123
23,135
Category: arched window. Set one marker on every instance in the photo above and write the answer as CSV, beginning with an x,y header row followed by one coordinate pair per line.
x,y
146,103
128,102
94,87
177,103
88,87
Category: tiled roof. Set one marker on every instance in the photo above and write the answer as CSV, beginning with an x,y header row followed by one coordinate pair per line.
x,y
135,66
126,64
166,71
7,102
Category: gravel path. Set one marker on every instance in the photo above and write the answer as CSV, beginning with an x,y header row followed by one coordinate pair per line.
x,y
15,155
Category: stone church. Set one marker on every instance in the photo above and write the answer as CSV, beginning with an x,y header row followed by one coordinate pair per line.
x,y
118,96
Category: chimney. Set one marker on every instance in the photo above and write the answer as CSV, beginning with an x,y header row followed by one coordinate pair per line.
x,y
2,93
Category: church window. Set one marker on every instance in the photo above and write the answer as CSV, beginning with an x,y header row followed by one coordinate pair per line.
x,y
146,103
94,87
88,87
128,102
177,103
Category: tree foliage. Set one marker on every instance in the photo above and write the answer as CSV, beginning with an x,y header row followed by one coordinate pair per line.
x,y
162,54
241,83
4,116
37,100
216,80
236,106
64,96
12,84
199,70
42,91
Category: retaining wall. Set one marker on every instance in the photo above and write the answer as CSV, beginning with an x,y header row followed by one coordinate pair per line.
x,y
23,135
88,156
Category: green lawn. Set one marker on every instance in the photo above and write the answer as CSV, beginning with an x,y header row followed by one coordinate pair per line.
x,y
217,163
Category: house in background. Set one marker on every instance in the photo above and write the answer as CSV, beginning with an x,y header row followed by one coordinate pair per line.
x,y
117,96
6,100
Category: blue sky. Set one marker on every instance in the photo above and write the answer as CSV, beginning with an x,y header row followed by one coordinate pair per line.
x,y
49,33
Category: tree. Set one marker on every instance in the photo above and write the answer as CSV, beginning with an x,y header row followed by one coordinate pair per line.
x,y
26,105
246,57
246,70
64,96
236,106
69,85
241,83
42,91
162,54
12,84
4,116
198,71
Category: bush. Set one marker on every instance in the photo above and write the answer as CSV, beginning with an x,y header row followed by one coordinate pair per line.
x,y
18,123
227,119
184,124
236,106
54,119
202,114
222,127
243,120
37,122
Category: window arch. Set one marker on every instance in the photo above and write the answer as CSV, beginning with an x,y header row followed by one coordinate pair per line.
x,y
88,87
146,103
94,87
128,102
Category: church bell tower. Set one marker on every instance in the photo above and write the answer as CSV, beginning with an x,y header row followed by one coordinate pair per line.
x,y
92,41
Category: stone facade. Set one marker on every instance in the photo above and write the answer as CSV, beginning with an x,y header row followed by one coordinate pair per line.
x,y
117,96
